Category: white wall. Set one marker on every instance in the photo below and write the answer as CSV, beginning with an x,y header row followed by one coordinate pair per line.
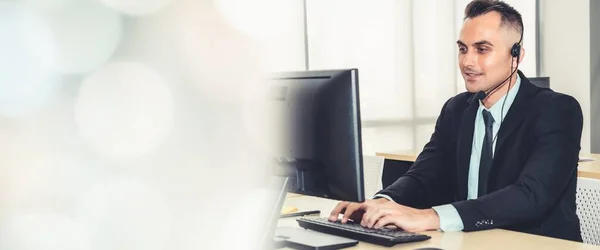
x,y
565,34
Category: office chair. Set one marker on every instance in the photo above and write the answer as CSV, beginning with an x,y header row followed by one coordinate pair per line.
x,y
588,209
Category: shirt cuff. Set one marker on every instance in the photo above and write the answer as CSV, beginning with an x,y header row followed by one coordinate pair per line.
x,y
383,196
450,220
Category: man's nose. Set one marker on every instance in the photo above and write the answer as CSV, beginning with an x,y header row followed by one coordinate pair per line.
x,y
469,60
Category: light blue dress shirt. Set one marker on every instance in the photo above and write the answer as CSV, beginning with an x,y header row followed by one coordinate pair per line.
x,y
449,218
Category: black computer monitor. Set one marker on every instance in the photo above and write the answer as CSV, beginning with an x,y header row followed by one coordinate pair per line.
x,y
317,115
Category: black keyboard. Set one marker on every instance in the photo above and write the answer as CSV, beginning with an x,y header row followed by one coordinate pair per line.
x,y
385,236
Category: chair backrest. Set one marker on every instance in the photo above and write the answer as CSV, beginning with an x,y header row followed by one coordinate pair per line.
x,y
372,172
541,81
588,209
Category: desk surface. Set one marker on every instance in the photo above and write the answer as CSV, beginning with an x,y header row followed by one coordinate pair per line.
x,y
587,168
489,239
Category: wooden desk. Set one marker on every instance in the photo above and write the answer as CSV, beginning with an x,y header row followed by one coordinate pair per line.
x,y
588,169
489,239
399,155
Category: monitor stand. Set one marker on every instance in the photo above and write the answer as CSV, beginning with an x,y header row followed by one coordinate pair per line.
x,y
305,176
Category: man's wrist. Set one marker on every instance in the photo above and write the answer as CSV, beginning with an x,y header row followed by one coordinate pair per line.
x,y
380,196
432,218
379,200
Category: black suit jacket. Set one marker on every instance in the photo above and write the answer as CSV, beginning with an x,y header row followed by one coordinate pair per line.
x,y
532,184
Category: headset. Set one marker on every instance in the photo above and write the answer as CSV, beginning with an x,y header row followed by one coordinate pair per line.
x,y
515,52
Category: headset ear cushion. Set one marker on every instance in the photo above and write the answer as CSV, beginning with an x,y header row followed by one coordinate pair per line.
x,y
515,51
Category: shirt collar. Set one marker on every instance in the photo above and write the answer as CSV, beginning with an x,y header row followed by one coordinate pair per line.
x,y
496,109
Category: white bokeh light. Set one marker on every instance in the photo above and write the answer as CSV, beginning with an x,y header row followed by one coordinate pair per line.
x,y
262,19
125,213
85,34
124,109
137,7
42,231
26,82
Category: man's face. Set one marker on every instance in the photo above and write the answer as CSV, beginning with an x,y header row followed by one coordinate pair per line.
x,y
484,52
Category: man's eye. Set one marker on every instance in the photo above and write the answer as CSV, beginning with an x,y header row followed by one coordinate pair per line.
x,y
462,49
482,50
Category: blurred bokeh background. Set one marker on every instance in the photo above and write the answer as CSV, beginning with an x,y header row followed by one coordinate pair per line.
x,y
130,125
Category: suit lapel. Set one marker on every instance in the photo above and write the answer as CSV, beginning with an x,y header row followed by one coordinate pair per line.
x,y
517,111
465,142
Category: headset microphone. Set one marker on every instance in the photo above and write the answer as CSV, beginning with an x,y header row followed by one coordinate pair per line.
x,y
483,94
480,95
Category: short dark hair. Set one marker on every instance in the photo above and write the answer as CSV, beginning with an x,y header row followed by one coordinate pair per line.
x,y
509,16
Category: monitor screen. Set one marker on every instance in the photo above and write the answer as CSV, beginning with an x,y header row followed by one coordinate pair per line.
x,y
317,126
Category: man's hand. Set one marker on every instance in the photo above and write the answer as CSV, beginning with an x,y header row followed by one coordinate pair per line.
x,y
379,213
353,211
407,218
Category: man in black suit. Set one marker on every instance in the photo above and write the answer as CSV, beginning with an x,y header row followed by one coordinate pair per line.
x,y
503,154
